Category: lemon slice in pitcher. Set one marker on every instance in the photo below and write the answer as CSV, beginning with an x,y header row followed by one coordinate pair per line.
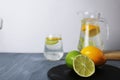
x,y
93,29
83,66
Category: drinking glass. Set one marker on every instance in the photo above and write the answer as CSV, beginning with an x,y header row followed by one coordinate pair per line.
x,y
53,48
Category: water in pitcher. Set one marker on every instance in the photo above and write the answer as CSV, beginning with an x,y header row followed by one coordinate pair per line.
x,y
90,34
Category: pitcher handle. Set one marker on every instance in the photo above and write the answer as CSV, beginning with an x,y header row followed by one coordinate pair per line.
x,y
1,23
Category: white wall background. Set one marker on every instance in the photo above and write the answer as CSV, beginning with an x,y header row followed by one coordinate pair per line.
x,y
26,22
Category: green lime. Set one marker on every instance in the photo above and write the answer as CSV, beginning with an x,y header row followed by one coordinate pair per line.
x,y
83,66
70,56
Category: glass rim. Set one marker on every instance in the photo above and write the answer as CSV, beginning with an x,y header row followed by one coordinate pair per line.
x,y
53,35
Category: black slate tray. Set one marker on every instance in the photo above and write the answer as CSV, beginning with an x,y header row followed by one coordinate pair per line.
x,y
106,72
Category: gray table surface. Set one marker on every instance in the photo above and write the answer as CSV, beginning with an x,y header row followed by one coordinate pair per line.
x,y
33,66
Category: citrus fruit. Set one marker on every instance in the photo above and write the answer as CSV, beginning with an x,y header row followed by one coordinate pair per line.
x,y
70,56
52,40
83,66
92,29
95,54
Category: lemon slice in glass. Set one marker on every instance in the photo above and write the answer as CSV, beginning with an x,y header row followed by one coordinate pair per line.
x,y
52,40
83,66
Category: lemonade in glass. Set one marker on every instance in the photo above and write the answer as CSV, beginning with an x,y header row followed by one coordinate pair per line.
x,y
53,49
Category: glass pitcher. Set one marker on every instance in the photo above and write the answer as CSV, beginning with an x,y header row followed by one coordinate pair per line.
x,y
94,30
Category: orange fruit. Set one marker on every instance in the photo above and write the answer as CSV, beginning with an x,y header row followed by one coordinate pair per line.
x,y
95,54
93,29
